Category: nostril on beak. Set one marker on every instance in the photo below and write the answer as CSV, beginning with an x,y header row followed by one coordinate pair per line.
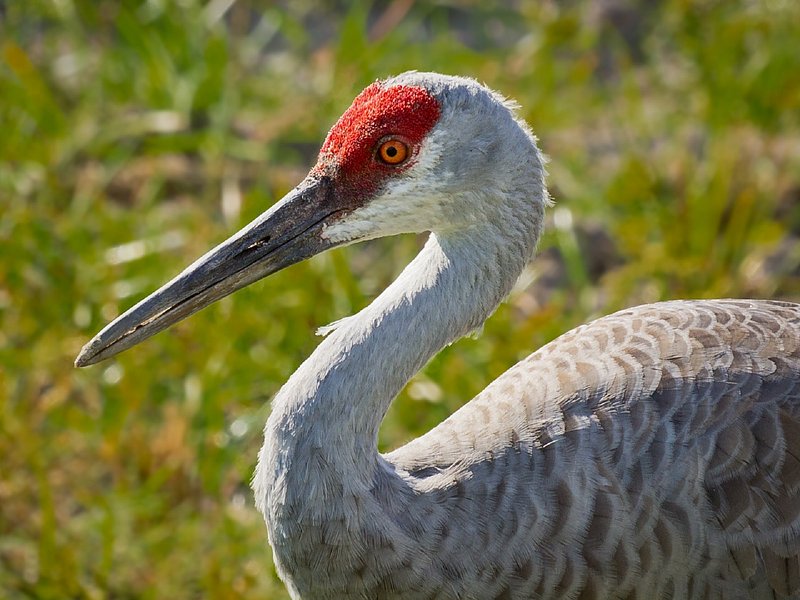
x,y
258,243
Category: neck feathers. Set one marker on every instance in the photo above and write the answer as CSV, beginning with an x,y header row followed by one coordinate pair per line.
x,y
319,462
334,403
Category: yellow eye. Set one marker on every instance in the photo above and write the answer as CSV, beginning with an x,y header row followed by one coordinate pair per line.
x,y
393,152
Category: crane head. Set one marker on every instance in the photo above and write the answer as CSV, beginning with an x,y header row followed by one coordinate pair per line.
x,y
408,155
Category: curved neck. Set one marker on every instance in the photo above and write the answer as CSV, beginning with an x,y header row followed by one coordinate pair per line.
x,y
345,387
322,432
319,464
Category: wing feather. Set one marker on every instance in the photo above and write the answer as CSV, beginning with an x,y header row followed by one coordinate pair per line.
x,y
676,426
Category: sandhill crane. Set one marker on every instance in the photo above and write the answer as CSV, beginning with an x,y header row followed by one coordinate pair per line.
x,y
653,453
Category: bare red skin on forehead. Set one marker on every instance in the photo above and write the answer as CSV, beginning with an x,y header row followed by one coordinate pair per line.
x,y
349,152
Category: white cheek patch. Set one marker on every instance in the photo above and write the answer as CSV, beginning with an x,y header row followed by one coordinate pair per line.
x,y
408,204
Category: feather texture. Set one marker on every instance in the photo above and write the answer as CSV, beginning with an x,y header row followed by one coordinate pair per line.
x,y
662,444
649,454
653,453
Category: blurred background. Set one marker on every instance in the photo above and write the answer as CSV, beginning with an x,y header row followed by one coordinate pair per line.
x,y
136,135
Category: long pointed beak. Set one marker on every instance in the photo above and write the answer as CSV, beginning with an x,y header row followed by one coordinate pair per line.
x,y
286,234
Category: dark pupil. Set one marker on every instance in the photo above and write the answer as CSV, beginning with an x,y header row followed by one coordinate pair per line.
x,y
391,151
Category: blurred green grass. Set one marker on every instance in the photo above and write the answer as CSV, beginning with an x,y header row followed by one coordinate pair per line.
x,y
135,135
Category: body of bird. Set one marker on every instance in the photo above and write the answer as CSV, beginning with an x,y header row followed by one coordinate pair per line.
x,y
651,454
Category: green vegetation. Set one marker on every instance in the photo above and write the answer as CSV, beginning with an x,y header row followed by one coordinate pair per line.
x,y
135,135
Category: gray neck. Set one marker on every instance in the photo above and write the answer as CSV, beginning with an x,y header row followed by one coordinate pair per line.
x,y
320,439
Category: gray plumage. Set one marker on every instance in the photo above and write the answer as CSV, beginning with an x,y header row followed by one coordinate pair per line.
x,y
653,453
641,454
